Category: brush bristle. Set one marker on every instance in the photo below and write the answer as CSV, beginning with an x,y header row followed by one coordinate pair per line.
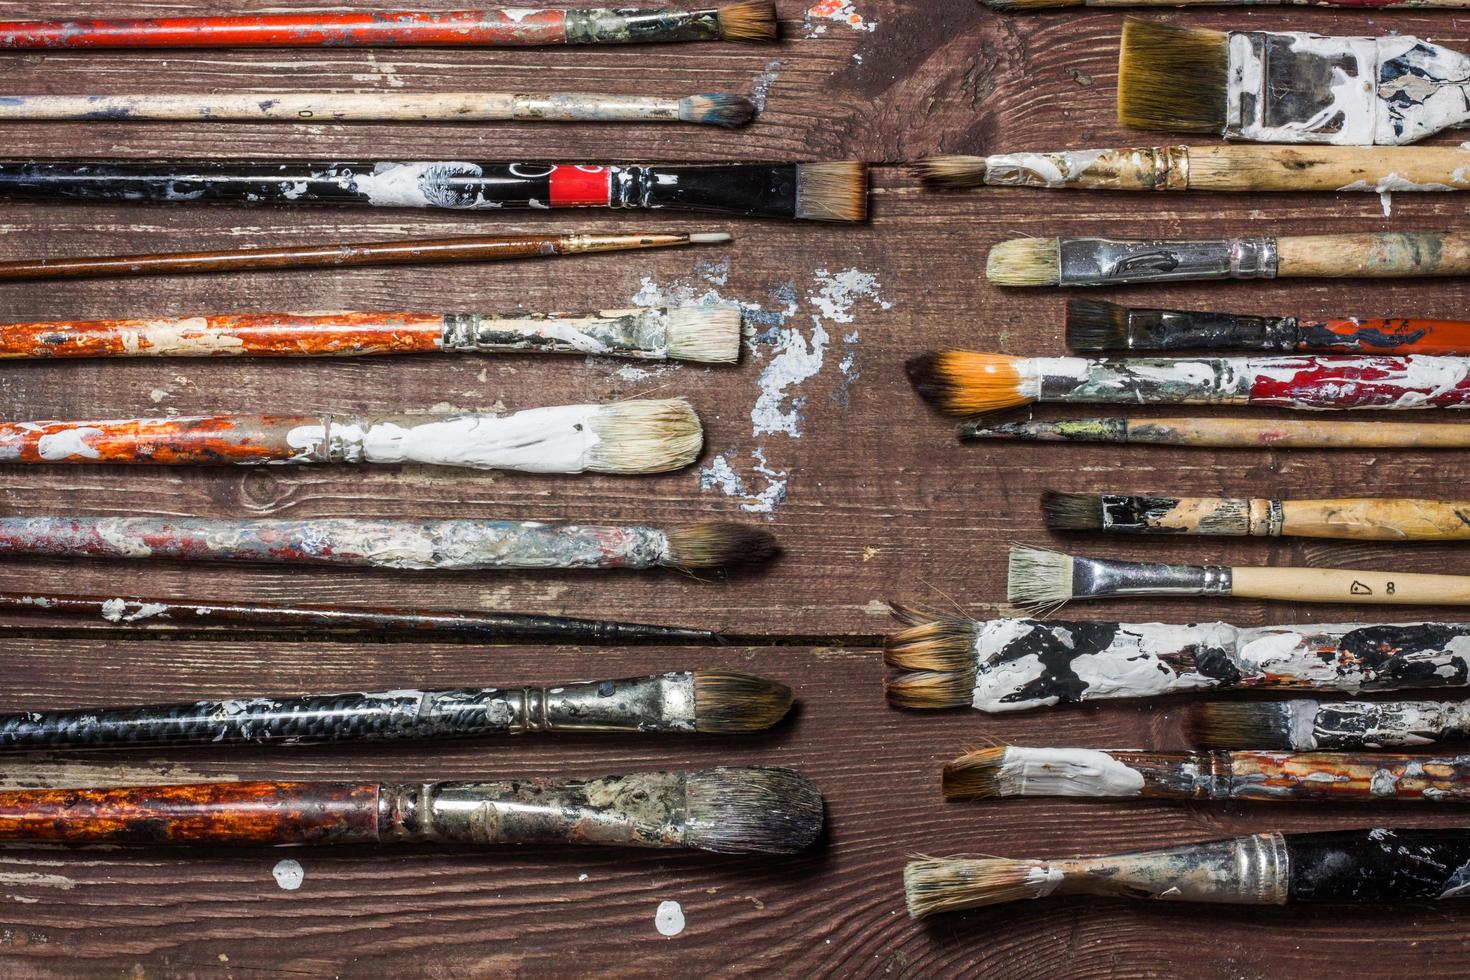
x,y
1096,325
931,690
1025,262
713,109
1038,579
1071,511
645,436
832,191
1172,78
977,775
959,382
1241,725
930,642
954,170
752,811
730,702
720,544
709,334
754,20
934,885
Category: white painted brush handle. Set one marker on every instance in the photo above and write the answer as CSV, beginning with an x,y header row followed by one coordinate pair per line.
x,y
1358,586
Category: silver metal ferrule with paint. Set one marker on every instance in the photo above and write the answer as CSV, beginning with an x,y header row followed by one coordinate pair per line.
x,y
632,26
1097,577
1253,870
663,703
641,333
1109,261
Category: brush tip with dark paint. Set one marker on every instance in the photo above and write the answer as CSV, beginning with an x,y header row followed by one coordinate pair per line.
x,y
1071,511
832,191
752,811
715,109
1242,725
951,170
1172,78
752,20
732,702
1095,325
959,382
720,544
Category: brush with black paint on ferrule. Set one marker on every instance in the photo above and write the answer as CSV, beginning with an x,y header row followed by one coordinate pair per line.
x,y
1306,725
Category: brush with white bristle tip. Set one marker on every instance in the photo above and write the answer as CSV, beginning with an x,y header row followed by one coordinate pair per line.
x,y
707,334
1306,725
645,436
1024,262
715,109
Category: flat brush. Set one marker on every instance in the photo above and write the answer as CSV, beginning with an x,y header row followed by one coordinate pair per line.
x,y
807,191
713,109
1273,87
1225,433
1039,580
493,27
1114,261
630,437
397,544
160,614
1095,326
1305,726
971,383
1328,777
718,702
1354,518
1017,664
422,251
727,810
1365,867
708,334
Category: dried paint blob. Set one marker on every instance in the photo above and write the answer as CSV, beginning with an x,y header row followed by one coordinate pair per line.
x,y
289,874
841,11
669,919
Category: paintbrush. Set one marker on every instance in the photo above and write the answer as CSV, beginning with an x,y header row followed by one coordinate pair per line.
x,y
1224,433
1039,580
1017,664
709,109
806,191
1274,87
1379,169
1369,867
709,334
1111,261
1355,518
398,544
1286,777
753,20
424,251
717,702
1096,326
970,382
158,614
1304,726
631,437
727,810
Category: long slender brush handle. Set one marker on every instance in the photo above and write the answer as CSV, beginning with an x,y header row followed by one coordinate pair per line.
x,y
1376,335
1362,518
1327,725
1378,866
1299,776
1357,586
1228,433
1374,255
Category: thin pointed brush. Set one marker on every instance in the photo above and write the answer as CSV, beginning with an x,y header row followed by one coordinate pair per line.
x,y
802,191
1227,433
397,544
717,702
423,251
753,20
1351,91
727,810
972,383
1096,326
1259,776
1039,580
183,615
1366,867
1012,664
631,437
712,109
709,334
1350,518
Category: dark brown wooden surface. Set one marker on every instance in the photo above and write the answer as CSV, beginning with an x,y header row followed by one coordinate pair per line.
x,y
882,503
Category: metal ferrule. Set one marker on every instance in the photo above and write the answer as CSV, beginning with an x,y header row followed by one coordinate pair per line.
x,y
578,107
1187,330
1108,261
638,810
1254,870
659,704
640,333
632,26
1096,577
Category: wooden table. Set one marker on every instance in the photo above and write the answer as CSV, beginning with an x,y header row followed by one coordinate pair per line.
x,y
816,435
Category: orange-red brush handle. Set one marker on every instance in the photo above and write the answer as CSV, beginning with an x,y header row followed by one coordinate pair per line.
x,y
1384,336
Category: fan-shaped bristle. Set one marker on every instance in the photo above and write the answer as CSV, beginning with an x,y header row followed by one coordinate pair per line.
x,y
1245,724
752,811
731,702
1173,78
709,334
753,20
934,885
931,690
1025,262
959,382
832,191
1096,325
714,109
953,170
931,642
1038,579
719,544
1071,511
645,436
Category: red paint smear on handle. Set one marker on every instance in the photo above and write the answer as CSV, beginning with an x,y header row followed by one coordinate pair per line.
x,y
1359,382
580,187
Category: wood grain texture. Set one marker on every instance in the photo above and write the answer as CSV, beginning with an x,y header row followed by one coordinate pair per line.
x,y
881,501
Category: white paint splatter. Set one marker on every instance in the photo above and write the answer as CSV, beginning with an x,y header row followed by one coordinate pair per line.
x,y
719,475
841,11
774,494
797,358
761,89
1385,201
840,291
289,874
669,919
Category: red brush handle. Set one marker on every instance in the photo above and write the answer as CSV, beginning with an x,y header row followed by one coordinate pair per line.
x,y
449,28
243,439
1385,336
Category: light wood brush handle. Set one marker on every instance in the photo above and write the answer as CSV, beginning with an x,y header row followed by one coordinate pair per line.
x,y
1358,586
1361,518
1373,255
1377,519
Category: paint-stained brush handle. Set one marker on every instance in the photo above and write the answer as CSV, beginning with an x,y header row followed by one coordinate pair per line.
x,y
1227,433
1344,777
1362,518
1350,585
